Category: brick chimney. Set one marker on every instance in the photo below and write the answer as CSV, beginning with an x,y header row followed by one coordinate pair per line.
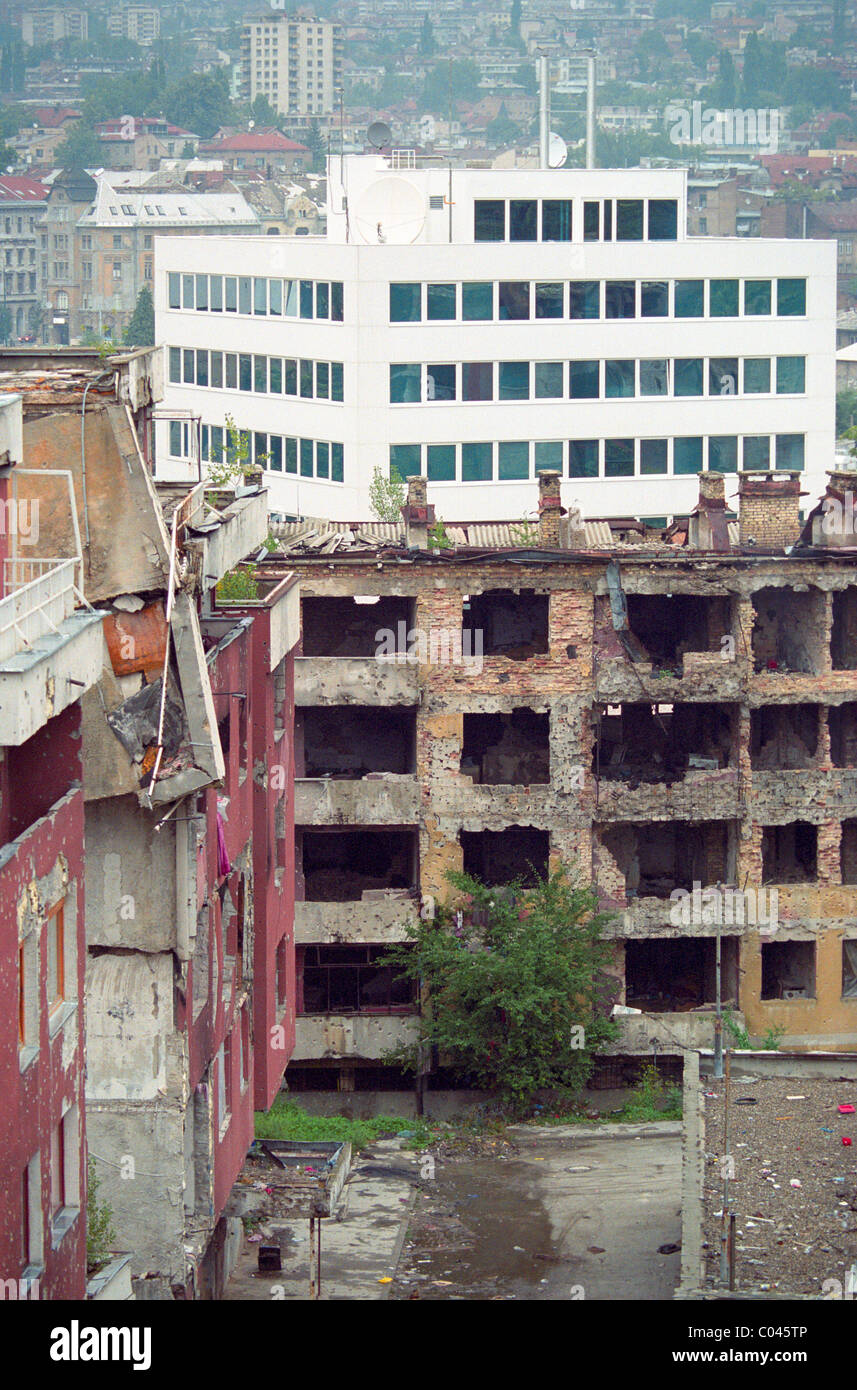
x,y
550,508
768,514
707,529
834,523
418,515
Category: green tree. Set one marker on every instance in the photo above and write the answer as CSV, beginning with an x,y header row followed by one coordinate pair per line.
x,y
262,113
451,81
652,53
427,43
846,410
5,324
387,496
317,147
200,103
724,93
514,983
502,130
100,1235
81,149
140,331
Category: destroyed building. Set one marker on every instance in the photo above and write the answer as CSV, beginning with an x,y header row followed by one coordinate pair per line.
x,y
187,810
665,714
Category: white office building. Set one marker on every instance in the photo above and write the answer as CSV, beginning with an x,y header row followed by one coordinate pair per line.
x,y
480,325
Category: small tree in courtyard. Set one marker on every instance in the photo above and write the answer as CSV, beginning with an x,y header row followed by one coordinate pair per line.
x,y
141,326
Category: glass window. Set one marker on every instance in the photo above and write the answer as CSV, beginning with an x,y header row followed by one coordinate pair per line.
x,y
477,464
629,219
654,299
290,376
245,294
757,375
513,460
260,374
405,382
306,299
757,451
275,462
322,459
440,302
757,296
523,217
405,302
723,453
440,463
291,452
791,298
306,458
619,378
174,290
663,219
688,376
440,381
654,377
231,294
336,392
790,452
791,375
687,455
216,454
188,291
556,219
689,299
275,372
583,380
245,372
608,219
583,458
322,381
175,368
290,298
618,458
547,455
722,376
514,299
306,375
653,456
176,438
260,449
549,384
405,459
322,301
231,361
620,298
489,220
275,296
202,367
549,301
189,366
584,299
215,290
514,381
337,462
260,295
591,221
336,313
477,381
202,291
723,299
477,301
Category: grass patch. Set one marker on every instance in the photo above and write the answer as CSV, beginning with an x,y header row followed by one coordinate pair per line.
x,y
287,1120
652,1099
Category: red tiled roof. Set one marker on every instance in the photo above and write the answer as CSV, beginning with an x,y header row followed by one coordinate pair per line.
x,y
23,187
49,116
255,140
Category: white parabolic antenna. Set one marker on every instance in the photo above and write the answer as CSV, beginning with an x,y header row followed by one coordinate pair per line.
x,y
390,211
557,151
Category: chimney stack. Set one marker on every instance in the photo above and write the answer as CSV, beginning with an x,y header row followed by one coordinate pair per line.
x,y
707,529
418,514
768,515
550,508
835,523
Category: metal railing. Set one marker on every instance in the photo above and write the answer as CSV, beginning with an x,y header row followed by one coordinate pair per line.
x,y
39,596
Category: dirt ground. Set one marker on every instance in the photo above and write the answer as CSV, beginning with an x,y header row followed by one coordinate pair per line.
x,y
788,1238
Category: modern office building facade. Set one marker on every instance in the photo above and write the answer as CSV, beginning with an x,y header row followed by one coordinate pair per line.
x,y
480,326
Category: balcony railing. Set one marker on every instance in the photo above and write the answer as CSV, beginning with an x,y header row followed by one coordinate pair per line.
x,y
38,596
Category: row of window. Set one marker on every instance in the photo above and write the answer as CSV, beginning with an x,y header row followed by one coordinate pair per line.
x,y
550,219
244,371
518,460
255,294
478,301
592,379
304,458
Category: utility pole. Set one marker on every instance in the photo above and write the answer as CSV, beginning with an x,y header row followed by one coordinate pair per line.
x,y
718,1016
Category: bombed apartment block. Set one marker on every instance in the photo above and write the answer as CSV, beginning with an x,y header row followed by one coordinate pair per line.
x,y
668,715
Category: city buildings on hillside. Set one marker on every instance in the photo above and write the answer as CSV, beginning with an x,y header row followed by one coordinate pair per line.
x,y
295,63
22,206
139,23
480,326
51,25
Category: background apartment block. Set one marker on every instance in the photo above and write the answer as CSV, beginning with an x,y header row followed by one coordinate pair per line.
x,y
139,23
22,205
52,25
295,63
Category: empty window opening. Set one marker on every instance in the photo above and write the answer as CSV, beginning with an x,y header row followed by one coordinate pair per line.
x,y
507,624
327,1076
848,851
349,979
789,852
672,976
788,629
843,641
498,856
346,627
662,743
668,626
783,737
842,722
788,970
656,858
849,970
341,866
350,742
506,749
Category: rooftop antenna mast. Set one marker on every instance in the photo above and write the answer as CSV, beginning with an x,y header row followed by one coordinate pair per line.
x,y
590,108
544,113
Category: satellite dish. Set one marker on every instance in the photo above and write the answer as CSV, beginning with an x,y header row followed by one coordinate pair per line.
x,y
557,151
379,134
391,210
